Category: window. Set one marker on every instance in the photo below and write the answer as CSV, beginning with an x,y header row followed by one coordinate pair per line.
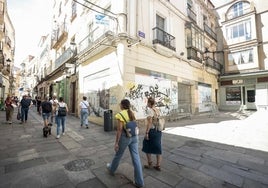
x,y
239,32
241,57
238,9
160,24
251,95
195,38
233,95
60,8
73,10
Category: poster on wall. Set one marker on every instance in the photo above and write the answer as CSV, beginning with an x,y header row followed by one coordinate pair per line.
x,y
163,90
204,95
97,90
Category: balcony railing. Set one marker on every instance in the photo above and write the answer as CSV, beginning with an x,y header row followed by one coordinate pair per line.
x,y
59,35
193,53
213,64
67,54
163,38
191,14
210,32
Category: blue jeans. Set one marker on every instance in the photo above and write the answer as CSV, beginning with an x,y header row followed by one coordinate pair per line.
x,y
24,114
60,120
84,116
132,144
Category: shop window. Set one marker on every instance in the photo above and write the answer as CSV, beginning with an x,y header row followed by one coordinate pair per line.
x,y
233,95
251,95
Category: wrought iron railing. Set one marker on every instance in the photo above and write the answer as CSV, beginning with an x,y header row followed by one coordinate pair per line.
x,y
162,37
210,32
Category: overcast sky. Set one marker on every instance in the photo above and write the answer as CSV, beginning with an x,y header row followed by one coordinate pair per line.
x,y
30,19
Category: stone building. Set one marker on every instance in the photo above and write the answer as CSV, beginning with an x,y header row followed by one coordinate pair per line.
x,y
114,49
7,46
244,84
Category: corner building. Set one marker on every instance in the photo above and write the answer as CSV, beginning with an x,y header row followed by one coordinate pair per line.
x,y
244,83
138,49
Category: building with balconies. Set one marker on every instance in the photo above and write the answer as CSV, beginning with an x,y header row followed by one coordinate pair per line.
x,y
244,82
134,49
7,46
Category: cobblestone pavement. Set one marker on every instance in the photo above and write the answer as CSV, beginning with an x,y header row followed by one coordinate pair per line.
x,y
229,149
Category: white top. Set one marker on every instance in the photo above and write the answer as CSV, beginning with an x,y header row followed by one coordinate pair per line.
x,y
54,101
84,104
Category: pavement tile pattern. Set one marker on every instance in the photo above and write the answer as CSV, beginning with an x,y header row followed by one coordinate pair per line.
x,y
192,158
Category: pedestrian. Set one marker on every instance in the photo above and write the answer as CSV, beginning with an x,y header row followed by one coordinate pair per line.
x,y
45,110
25,104
54,101
152,140
38,103
122,142
84,112
9,109
61,112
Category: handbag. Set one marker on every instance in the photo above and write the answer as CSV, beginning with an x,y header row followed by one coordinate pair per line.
x,y
159,122
18,116
131,128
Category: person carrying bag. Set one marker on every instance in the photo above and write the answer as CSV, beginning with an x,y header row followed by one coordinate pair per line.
x,y
123,141
84,112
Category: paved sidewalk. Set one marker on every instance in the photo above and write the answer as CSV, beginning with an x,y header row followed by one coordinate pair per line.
x,y
228,150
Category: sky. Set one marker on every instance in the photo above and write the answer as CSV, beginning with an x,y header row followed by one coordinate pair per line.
x,y
30,19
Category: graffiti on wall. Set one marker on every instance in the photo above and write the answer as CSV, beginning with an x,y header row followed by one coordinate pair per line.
x,y
164,91
204,95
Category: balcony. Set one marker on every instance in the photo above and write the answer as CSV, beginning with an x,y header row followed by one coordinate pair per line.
x,y
210,32
193,53
8,41
213,64
2,31
191,14
59,36
163,38
68,54
2,12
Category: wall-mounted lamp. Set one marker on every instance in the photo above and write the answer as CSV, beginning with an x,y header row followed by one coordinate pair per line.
x,y
132,43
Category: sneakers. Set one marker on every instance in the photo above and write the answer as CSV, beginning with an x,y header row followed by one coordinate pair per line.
x,y
136,185
63,133
87,127
108,167
58,136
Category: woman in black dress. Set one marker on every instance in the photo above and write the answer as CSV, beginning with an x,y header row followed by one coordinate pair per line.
x,y
152,139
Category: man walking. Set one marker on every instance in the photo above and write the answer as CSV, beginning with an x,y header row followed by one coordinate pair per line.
x,y
25,104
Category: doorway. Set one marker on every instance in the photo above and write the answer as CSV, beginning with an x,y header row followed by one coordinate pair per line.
x,y
250,97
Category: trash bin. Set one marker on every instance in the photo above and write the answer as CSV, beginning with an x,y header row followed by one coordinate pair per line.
x,y
108,120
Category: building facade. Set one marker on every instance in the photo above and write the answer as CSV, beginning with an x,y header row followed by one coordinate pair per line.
x,y
114,49
7,46
244,84
153,48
